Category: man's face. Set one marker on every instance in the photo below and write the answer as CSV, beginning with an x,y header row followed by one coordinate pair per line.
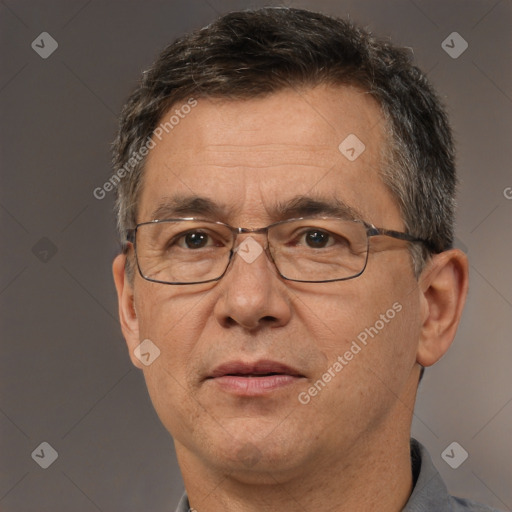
x,y
250,158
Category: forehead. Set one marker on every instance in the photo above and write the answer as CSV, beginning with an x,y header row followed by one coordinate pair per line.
x,y
249,156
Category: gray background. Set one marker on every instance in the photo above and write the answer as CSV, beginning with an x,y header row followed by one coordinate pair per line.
x,y
65,375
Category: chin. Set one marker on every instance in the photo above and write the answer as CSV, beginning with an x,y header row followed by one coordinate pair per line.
x,y
255,457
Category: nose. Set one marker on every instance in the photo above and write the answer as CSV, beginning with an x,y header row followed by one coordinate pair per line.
x,y
251,293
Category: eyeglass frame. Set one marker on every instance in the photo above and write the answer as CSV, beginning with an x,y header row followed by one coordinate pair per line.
x,y
371,230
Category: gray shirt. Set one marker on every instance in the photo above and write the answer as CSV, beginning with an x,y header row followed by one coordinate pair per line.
x,y
429,494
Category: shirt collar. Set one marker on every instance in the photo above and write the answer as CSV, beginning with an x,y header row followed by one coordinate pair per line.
x,y
429,492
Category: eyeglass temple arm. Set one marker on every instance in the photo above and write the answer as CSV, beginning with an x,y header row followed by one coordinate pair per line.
x,y
399,235
129,239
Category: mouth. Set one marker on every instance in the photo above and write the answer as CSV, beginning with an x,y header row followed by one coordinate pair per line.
x,y
253,379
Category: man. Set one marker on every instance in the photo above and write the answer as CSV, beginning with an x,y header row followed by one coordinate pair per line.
x,y
286,200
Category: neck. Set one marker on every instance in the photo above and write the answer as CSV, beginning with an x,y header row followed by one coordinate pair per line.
x,y
374,475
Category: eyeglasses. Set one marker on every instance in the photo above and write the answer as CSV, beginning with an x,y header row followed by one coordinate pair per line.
x,y
307,249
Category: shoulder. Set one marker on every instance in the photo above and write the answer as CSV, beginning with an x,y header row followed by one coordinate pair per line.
x,y
463,505
430,492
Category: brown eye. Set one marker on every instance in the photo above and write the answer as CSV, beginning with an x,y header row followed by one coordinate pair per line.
x,y
317,239
195,240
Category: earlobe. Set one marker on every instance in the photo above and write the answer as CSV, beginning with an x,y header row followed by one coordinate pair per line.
x,y
126,304
443,288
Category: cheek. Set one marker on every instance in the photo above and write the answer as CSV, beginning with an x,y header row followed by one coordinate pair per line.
x,y
174,327
369,362
173,322
170,317
378,333
372,325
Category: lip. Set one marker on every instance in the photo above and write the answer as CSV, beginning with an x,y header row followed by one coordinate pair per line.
x,y
254,379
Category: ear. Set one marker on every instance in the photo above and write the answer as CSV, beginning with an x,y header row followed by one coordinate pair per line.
x,y
443,287
127,312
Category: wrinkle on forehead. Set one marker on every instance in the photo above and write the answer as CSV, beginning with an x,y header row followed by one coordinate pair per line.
x,y
252,154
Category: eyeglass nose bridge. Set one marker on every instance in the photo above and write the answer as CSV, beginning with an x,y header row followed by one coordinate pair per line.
x,y
265,248
250,231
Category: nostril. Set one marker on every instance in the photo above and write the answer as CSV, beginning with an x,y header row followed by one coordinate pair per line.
x,y
268,319
230,322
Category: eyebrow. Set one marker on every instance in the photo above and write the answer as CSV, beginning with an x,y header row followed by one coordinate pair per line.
x,y
298,206
189,206
304,206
